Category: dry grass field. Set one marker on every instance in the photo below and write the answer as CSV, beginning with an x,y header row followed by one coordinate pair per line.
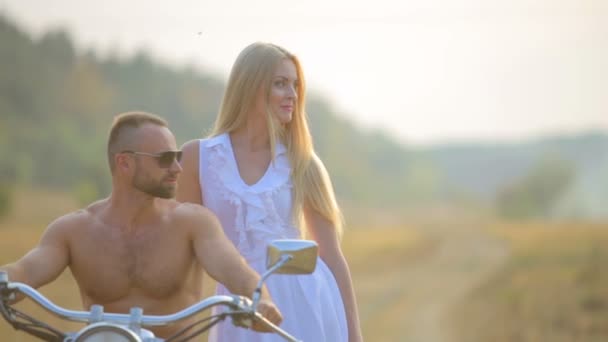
x,y
373,255
553,288
378,258
437,278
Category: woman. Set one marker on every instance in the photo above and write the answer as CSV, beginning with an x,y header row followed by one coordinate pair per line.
x,y
260,175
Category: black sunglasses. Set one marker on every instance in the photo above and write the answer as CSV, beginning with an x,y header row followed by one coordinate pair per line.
x,y
164,159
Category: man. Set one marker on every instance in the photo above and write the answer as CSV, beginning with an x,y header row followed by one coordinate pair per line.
x,y
140,247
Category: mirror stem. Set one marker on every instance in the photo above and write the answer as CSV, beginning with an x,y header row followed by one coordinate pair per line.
x,y
258,290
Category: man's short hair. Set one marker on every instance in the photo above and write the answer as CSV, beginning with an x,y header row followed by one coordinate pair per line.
x,y
125,122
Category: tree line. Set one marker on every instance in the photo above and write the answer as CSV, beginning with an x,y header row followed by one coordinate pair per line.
x,y
57,102
56,105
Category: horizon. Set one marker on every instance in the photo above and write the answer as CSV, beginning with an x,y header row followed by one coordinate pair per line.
x,y
458,73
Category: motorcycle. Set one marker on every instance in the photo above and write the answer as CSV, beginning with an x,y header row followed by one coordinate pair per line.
x,y
282,257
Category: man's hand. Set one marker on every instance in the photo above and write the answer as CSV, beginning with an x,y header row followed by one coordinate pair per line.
x,y
269,311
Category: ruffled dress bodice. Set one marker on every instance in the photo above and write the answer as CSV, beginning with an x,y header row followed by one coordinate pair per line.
x,y
251,215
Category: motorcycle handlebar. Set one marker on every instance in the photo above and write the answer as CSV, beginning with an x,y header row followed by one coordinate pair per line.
x,y
237,305
90,316
276,329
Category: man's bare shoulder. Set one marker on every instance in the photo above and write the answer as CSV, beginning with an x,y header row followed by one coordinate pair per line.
x,y
65,226
78,218
193,211
196,217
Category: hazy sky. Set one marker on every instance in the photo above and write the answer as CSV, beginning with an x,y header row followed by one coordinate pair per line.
x,y
424,71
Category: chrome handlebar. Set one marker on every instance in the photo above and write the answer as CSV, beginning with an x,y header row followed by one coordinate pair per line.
x,y
238,305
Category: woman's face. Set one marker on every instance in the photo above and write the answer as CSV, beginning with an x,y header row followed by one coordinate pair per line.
x,y
283,91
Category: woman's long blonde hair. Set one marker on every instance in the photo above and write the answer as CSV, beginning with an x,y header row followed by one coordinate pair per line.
x,y
252,70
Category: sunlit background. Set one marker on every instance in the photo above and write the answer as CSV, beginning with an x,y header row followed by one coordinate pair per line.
x,y
423,71
476,201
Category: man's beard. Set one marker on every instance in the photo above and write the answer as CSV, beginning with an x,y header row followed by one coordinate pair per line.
x,y
152,188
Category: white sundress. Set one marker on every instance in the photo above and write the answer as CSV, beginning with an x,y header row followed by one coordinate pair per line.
x,y
252,216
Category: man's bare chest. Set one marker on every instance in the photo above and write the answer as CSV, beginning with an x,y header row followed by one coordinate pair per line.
x,y
110,266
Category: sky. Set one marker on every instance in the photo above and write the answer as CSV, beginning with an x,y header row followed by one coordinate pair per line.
x,y
422,71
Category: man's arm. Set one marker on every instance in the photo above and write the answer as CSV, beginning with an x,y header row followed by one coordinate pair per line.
x,y
46,261
218,255
224,263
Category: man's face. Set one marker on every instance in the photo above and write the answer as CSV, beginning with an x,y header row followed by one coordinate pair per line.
x,y
145,181
153,176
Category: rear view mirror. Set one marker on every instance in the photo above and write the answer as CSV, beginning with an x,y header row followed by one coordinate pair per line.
x,y
303,254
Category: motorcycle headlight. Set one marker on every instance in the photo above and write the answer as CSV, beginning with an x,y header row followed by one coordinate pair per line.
x,y
105,332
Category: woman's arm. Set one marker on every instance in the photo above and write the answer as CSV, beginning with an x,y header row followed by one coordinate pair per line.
x,y
189,188
323,232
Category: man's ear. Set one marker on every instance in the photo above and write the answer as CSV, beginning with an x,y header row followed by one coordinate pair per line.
x,y
122,161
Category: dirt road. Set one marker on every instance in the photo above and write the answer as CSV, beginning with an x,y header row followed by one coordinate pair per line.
x,y
416,298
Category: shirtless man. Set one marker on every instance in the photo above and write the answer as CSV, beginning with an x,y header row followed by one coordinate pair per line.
x,y
140,247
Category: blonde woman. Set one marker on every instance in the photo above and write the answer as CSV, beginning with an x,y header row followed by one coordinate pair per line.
x,y
259,174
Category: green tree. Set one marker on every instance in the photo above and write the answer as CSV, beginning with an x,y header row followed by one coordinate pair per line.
x,y
535,194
